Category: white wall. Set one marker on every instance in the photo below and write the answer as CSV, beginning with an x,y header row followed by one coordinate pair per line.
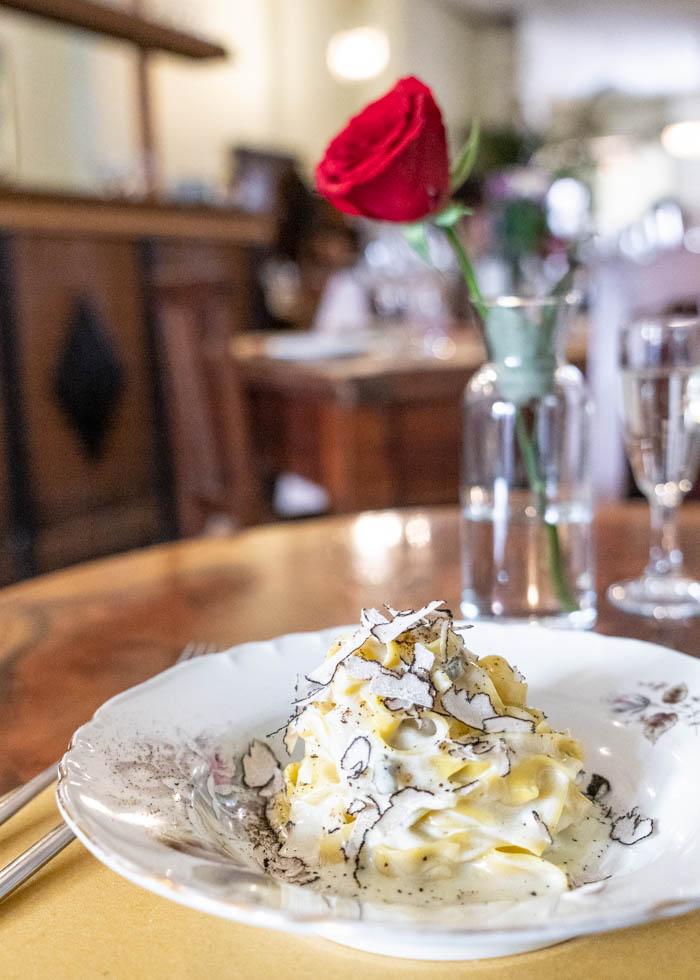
x,y
60,83
76,95
76,100
648,53
277,91
577,52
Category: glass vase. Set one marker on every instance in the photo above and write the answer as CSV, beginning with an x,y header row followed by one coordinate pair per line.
x,y
526,491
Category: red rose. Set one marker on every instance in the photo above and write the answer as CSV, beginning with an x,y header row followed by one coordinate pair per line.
x,y
390,162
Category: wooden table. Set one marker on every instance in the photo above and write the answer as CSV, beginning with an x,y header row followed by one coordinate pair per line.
x,y
72,639
380,430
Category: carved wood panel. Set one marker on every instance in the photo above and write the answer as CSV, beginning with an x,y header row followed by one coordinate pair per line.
x,y
87,395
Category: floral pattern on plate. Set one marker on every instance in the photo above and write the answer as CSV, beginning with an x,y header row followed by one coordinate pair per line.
x,y
659,709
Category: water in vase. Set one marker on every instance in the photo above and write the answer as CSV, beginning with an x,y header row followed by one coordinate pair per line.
x,y
506,559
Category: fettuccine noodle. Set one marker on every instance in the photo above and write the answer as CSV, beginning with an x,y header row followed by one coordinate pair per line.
x,y
424,765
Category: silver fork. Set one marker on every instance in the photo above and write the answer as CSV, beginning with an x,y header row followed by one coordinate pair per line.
x,y
35,857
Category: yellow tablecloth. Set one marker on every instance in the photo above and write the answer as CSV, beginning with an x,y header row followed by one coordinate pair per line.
x,y
78,920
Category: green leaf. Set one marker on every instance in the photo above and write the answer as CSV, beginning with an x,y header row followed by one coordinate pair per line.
x,y
449,217
416,236
466,158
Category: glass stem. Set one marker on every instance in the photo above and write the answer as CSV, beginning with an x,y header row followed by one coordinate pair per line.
x,y
665,557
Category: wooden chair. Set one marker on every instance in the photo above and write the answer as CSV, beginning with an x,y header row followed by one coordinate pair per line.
x,y
198,312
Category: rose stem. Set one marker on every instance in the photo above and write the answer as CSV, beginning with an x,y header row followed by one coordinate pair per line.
x,y
530,457
467,271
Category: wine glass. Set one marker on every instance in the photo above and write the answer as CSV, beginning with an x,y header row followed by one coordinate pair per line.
x,y
660,373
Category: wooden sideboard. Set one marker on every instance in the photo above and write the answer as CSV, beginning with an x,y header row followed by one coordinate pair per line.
x,y
102,308
383,429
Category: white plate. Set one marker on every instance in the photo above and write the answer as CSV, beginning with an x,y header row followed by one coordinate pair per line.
x,y
316,346
134,789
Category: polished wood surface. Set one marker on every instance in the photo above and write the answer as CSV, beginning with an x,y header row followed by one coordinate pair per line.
x,y
379,430
121,24
72,639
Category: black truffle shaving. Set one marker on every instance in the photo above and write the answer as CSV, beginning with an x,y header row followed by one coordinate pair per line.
x,y
386,683
285,726
631,828
506,751
372,617
312,690
274,786
396,704
463,786
356,757
292,869
402,622
259,765
470,711
543,825
480,747
356,869
508,723
396,612
325,672
396,812
423,660
369,804
265,839
305,688
391,815
598,787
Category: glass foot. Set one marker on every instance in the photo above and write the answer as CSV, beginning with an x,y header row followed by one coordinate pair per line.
x,y
667,597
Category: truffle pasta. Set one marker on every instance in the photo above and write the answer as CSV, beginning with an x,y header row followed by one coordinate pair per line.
x,y
424,767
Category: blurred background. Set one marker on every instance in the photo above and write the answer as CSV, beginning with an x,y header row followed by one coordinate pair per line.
x,y
191,341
